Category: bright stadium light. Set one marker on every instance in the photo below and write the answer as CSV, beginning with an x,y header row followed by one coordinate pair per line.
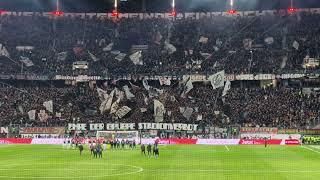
x,y
291,9
232,10
115,4
115,10
57,12
173,9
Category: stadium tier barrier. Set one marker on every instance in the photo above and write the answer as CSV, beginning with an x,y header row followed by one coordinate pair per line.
x,y
162,141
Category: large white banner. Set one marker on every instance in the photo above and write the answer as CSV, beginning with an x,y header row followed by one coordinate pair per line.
x,y
158,111
134,126
217,80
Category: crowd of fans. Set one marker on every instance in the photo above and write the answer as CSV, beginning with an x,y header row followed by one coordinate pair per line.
x,y
265,107
236,44
250,44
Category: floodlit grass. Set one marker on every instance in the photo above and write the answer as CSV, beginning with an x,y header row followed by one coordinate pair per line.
x,y
175,162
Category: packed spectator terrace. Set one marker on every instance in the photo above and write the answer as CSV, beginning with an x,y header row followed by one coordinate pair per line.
x,y
44,47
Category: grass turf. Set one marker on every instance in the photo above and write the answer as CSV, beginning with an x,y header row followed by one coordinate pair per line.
x,y
177,162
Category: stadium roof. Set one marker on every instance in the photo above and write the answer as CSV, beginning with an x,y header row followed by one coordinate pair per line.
x,y
151,5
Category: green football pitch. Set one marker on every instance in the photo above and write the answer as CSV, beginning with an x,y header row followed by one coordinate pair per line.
x,y
175,162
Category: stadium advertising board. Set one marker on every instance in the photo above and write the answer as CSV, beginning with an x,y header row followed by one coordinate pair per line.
x,y
43,130
134,126
177,141
271,136
47,141
300,131
292,142
15,140
4,130
218,141
259,130
260,141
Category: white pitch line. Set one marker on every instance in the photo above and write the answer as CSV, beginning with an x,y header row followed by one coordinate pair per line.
x,y
232,170
227,147
310,149
61,169
139,170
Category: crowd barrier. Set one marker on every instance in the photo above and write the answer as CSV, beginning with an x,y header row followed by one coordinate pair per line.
x,y
161,141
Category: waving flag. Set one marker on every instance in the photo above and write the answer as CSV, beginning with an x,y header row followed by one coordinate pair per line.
x,y
158,111
48,105
26,61
4,51
120,56
32,114
93,57
217,80
227,87
129,95
62,56
136,58
187,88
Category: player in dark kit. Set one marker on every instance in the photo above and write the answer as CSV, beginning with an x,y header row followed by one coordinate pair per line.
x,y
99,150
149,149
95,152
80,148
156,151
143,149
122,143
91,148
134,144
265,142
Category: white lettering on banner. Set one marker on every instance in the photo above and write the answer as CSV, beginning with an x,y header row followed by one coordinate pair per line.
x,y
291,76
187,15
4,130
77,126
132,126
98,126
245,77
78,78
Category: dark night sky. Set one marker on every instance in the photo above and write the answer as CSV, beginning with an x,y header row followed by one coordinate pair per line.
x,y
151,5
